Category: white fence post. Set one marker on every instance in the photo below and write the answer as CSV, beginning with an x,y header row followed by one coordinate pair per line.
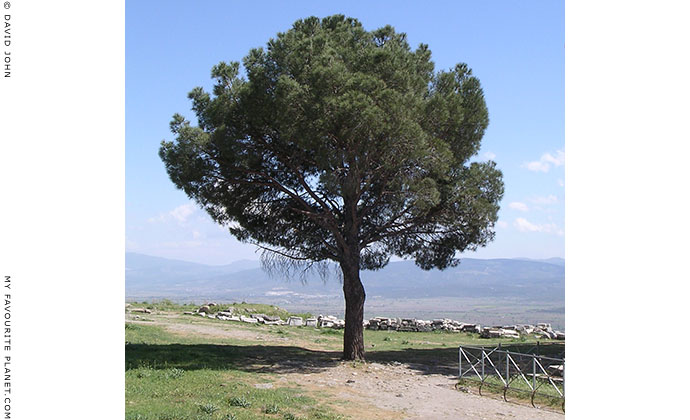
x,y
459,362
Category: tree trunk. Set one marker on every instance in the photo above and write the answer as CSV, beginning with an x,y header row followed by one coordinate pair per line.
x,y
353,344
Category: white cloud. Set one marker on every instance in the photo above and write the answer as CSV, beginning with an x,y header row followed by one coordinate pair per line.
x,y
549,199
561,183
537,166
516,205
179,214
557,160
546,161
523,225
502,224
490,155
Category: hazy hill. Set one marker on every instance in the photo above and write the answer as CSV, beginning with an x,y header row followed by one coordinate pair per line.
x,y
153,277
555,260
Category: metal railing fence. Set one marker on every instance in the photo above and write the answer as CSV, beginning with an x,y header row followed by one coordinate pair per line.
x,y
531,374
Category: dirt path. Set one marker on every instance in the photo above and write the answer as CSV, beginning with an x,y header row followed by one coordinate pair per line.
x,y
393,389
201,328
220,331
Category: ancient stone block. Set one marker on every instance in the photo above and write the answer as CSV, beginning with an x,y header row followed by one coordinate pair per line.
x,y
295,321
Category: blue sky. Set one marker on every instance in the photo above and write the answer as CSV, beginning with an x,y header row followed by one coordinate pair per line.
x,y
516,49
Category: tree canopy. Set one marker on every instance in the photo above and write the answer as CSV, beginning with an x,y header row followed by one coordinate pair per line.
x,y
342,144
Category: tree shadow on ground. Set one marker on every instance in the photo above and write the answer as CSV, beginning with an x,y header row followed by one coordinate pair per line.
x,y
291,359
255,358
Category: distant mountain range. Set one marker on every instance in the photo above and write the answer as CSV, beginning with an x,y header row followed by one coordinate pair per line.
x,y
555,260
153,277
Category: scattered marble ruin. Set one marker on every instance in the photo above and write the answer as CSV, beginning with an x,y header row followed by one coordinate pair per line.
x,y
541,330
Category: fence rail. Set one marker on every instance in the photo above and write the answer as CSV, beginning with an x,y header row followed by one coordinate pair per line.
x,y
526,373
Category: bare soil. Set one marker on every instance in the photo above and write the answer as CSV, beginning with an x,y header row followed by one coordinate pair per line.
x,y
399,392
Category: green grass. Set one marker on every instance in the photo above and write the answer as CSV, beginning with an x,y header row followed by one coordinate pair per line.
x,y
191,376
206,393
168,376
246,309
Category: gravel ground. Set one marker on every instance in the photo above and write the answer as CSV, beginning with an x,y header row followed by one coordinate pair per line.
x,y
396,389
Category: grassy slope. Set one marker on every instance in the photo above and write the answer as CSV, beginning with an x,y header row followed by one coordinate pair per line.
x,y
242,308
171,377
192,376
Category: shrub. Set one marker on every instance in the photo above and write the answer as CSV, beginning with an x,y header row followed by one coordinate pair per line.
x,y
271,409
208,408
240,402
